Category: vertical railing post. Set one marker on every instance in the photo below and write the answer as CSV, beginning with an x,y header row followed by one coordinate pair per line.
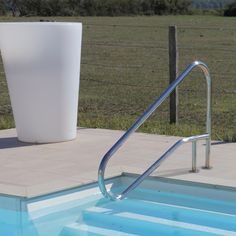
x,y
194,157
173,72
208,121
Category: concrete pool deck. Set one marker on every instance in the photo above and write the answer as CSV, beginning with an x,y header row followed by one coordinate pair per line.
x,y
29,170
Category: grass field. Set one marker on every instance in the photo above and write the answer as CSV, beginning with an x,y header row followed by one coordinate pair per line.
x,y
125,67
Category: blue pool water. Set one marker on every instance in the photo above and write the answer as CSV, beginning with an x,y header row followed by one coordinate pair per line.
x,y
155,208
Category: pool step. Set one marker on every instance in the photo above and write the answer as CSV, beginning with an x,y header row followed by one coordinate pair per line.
x,y
158,213
148,218
85,230
191,201
176,213
142,224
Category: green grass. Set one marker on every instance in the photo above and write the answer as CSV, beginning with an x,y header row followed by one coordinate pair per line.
x,y
125,67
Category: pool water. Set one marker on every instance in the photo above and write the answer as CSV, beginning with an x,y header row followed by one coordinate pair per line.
x,y
157,207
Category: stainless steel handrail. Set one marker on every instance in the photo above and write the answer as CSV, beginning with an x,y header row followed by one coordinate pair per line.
x,y
144,117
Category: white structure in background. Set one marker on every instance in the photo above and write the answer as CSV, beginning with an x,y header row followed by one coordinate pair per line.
x,y
42,66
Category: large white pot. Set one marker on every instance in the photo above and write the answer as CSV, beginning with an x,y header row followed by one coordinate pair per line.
x,y
42,66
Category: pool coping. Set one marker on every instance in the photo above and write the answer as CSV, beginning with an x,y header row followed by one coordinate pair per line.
x,y
31,170
90,192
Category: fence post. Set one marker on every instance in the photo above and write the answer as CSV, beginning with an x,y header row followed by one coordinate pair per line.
x,y
173,72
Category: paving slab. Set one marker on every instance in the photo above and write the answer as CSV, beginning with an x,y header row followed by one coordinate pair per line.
x,y
29,170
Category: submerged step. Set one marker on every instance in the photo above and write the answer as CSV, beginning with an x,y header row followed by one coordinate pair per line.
x,y
85,230
175,213
186,200
140,224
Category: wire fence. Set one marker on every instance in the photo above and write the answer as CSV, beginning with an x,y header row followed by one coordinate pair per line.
x,y
125,67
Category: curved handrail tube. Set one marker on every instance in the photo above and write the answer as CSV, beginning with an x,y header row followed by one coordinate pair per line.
x,y
156,164
145,116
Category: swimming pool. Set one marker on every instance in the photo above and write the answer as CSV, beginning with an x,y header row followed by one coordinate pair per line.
x,y
157,207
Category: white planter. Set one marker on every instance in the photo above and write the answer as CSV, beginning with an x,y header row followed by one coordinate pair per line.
x,y
42,66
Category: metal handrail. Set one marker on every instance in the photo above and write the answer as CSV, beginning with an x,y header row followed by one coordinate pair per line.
x,y
144,117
